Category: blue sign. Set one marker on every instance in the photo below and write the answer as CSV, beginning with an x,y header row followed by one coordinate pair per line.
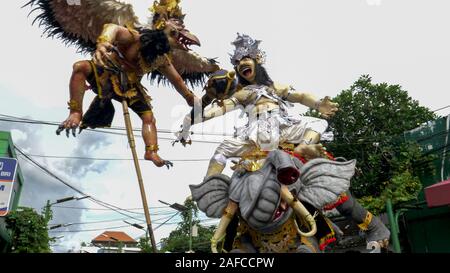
x,y
8,167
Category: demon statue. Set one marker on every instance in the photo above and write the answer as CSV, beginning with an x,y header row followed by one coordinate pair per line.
x,y
265,104
257,194
124,51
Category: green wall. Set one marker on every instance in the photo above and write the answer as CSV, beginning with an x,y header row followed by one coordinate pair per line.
x,y
428,229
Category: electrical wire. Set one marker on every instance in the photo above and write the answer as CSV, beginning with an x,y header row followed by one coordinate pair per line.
x,y
360,141
109,159
160,225
85,208
91,230
112,220
111,133
97,201
113,128
445,107
114,227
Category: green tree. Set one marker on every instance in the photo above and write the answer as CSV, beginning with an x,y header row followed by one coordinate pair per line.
x,y
144,245
178,240
369,128
29,230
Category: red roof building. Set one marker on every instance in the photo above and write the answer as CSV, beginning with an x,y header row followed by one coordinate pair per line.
x,y
114,238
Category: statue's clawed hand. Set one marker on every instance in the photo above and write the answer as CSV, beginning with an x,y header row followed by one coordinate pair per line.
x,y
70,124
327,108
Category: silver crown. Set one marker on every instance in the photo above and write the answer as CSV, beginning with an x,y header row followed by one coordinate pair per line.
x,y
246,46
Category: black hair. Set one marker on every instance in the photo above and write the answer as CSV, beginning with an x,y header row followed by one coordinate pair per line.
x,y
154,43
262,77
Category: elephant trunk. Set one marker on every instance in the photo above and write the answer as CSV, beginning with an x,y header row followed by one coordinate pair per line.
x,y
299,210
220,233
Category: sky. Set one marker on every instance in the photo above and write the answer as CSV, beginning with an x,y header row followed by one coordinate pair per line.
x,y
320,47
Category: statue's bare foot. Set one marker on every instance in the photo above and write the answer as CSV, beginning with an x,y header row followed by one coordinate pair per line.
x,y
310,151
154,157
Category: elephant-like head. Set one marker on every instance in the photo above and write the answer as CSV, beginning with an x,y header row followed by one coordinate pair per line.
x,y
266,197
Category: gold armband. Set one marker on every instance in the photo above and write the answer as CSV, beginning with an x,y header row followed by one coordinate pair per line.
x,y
74,106
103,39
367,220
235,101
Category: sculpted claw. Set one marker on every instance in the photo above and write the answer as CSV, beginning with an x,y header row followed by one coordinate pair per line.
x,y
168,164
59,130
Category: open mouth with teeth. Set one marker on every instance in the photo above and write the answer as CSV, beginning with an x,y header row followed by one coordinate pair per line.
x,y
245,71
187,39
281,210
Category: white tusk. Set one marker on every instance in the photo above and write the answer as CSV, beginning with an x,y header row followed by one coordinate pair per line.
x,y
300,210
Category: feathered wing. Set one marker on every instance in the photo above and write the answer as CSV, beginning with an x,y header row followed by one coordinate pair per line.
x,y
193,68
323,181
80,22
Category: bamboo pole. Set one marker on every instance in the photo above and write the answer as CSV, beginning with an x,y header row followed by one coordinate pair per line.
x,y
132,143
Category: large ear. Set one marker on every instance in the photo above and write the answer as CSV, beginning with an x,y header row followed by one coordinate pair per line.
x,y
323,181
212,195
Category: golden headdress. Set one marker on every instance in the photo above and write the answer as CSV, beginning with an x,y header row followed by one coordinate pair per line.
x,y
165,9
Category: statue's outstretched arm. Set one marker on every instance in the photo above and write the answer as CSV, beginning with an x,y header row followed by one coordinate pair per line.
x,y
169,71
325,106
196,116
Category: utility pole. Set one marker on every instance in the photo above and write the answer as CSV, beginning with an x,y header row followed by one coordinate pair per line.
x,y
48,212
190,229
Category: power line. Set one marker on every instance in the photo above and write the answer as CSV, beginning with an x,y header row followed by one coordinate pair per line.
x,y
109,159
89,198
104,204
101,203
85,208
110,221
89,223
159,213
160,225
445,107
32,121
113,128
360,141
114,227
108,132
90,230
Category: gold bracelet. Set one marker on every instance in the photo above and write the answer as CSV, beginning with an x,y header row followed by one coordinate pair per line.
x,y
103,39
74,106
227,213
189,95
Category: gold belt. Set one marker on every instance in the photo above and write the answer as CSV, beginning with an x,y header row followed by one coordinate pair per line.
x,y
130,93
283,240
